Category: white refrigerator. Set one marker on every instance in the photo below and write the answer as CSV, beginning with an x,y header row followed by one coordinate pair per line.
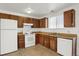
x,y
8,36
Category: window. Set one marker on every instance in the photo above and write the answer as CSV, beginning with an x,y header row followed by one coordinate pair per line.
x,y
56,22
60,21
52,22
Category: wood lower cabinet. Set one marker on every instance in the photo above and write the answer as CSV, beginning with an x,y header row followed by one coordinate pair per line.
x,y
41,39
53,43
46,41
21,41
37,38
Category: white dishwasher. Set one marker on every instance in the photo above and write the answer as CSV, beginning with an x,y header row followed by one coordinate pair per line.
x,y
64,46
29,40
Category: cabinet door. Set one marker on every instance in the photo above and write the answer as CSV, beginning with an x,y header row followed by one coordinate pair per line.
x,y
28,20
5,16
37,39
20,21
8,16
69,18
13,17
53,43
42,23
41,39
46,41
35,23
21,41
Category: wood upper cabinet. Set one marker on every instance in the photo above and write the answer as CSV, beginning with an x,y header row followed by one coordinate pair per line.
x,y
53,43
8,16
43,23
36,23
20,21
28,20
39,23
69,18
21,41
46,41
14,17
4,16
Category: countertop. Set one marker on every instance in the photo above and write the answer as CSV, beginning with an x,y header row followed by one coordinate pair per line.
x,y
54,34
59,35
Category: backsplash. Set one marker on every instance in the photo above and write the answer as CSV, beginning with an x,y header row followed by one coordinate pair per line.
x,y
60,30
20,29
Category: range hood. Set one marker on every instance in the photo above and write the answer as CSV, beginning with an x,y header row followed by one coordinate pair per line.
x,y
28,24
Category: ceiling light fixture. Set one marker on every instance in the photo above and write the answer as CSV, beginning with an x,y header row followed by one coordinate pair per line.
x,y
28,10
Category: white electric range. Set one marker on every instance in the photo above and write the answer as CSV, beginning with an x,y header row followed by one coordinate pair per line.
x,y
29,40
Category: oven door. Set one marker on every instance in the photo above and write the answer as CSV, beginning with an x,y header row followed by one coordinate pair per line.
x,y
29,40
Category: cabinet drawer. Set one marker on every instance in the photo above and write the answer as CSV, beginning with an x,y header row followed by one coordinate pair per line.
x,y
46,41
21,37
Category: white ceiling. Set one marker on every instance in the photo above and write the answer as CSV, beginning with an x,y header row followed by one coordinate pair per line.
x,y
40,9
